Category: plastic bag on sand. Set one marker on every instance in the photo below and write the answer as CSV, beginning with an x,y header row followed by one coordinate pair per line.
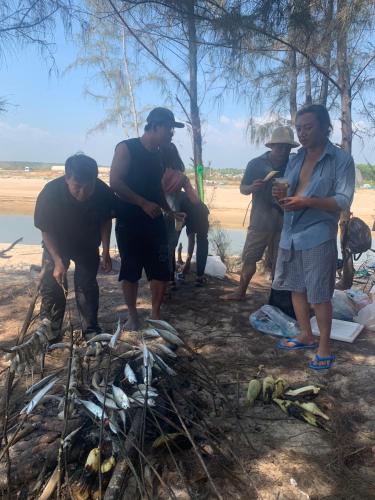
x,y
215,267
343,306
360,299
366,317
271,320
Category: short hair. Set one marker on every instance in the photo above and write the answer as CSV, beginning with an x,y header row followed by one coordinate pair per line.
x,y
171,158
81,167
321,114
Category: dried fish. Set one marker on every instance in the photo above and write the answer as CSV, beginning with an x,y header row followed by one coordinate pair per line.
x,y
120,397
129,374
115,335
37,398
158,323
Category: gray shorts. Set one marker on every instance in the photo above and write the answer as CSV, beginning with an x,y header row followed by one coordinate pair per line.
x,y
312,271
255,245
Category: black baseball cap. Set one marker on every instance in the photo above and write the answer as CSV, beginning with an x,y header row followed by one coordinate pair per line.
x,y
164,116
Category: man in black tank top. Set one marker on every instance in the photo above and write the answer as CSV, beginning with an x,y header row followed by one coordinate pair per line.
x,y
135,177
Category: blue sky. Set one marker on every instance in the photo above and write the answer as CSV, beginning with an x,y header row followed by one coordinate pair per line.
x,y
48,117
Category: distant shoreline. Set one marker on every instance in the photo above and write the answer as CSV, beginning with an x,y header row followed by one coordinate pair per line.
x,y
18,192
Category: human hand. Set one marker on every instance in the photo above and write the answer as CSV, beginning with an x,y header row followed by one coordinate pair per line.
x,y
292,203
59,272
151,209
278,191
257,185
106,263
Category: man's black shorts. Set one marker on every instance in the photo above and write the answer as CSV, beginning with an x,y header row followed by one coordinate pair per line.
x,y
143,244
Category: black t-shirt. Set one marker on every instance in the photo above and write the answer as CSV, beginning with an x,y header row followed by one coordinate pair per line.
x,y
144,178
74,225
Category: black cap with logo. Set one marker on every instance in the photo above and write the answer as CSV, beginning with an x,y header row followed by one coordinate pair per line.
x,y
163,116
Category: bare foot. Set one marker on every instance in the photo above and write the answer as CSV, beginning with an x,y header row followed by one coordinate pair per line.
x,y
132,324
234,296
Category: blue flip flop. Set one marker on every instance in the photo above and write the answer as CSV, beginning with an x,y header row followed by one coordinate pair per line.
x,y
317,359
297,345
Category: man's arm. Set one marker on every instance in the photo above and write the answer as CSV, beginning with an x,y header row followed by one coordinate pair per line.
x,y
119,169
59,270
251,181
105,233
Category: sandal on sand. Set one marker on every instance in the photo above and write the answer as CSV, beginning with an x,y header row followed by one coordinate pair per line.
x,y
328,361
296,345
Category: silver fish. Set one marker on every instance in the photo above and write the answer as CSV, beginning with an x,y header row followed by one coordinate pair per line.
x,y
94,409
59,345
129,374
115,335
147,374
37,398
120,397
170,337
167,351
68,440
146,356
163,365
122,415
142,400
113,425
109,403
158,323
151,392
101,337
151,332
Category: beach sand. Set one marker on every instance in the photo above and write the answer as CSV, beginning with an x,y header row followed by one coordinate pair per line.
x,y
18,193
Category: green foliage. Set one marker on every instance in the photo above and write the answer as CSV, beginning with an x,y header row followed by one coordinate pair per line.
x,y
368,171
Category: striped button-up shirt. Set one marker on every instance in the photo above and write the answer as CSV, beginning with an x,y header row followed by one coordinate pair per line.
x,y
333,176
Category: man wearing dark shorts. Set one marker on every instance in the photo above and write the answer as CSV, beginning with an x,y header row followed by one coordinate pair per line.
x,y
136,174
74,213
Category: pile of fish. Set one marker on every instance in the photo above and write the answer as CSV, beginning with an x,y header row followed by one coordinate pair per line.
x,y
294,402
106,380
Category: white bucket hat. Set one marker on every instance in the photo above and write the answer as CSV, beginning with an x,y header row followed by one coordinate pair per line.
x,y
282,135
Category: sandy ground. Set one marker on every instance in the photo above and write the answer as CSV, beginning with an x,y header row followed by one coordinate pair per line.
x,y
285,458
228,207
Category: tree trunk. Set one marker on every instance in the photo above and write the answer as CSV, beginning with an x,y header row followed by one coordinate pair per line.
x,y
346,134
327,53
193,88
130,84
308,96
292,56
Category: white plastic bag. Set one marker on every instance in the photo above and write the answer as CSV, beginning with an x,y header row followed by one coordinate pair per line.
x,y
215,267
366,317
